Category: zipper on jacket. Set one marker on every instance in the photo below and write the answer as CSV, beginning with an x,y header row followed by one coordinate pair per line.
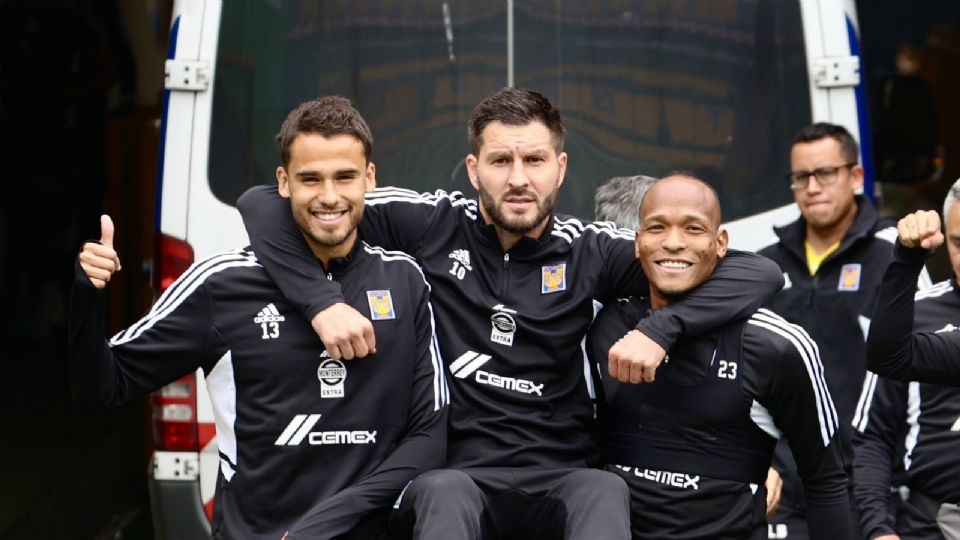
x,y
506,276
813,288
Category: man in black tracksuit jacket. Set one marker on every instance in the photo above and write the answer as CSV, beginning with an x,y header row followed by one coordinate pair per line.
x,y
832,259
915,423
513,305
925,349
894,350
695,445
308,445
916,417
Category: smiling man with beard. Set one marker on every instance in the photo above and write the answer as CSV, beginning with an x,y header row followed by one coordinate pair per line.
x,y
309,446
514,287
695,445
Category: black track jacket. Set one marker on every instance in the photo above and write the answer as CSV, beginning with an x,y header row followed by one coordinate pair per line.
x,y
923,419
306,443
714,414
893,349
834,306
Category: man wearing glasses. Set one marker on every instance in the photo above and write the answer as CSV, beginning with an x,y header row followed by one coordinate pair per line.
x,y
832,258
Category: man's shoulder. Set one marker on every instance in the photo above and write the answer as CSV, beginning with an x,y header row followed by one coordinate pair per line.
x,y
440,199
772,332
395,265
937,307
885,232
779,346
227,275
223,266
575,230
788,233
770,251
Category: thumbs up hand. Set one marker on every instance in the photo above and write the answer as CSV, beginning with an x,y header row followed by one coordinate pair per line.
x,y
98,260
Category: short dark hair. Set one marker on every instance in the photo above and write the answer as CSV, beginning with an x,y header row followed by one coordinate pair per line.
x,y
822,130
515,107
327,116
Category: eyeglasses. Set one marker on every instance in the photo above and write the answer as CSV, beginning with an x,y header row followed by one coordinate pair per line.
x,y
825,176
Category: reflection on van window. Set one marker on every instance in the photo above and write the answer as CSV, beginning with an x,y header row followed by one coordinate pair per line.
x,y
714,88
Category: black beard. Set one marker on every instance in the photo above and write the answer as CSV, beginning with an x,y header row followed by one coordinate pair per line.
x,y
549,204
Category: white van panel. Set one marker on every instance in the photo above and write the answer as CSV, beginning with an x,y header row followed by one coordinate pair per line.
x,y
212,226
179,119
825,36
756,232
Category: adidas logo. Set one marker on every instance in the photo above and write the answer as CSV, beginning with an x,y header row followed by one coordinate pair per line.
x,y
462,256
268,314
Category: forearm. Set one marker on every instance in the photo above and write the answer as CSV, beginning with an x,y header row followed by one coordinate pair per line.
x,y
283,252
874,444
741,283
93,373
871,493
893,350
160,348
828,514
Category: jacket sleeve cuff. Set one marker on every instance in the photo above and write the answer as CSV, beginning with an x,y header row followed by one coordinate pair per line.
x,y
649,327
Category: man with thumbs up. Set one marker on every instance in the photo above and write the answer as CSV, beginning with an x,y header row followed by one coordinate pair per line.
x,y
98,260
310,446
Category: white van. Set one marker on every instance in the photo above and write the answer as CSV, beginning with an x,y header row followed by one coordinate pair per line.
x,y
717,88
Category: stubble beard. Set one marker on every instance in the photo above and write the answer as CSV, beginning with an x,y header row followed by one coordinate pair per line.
x,y
517,225
323,238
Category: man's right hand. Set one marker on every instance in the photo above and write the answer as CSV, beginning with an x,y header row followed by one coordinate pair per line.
x,y
920,229
774,485
887,537
345,332
634,358
100,261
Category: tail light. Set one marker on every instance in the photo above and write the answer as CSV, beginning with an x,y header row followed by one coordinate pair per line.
x,y
172,258
174,405
175,415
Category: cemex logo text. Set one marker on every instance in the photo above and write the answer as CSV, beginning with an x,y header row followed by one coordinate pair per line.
x,y
299,429
469,363
678,480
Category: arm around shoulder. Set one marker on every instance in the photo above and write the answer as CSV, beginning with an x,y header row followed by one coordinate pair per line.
x,y
284,254
740,284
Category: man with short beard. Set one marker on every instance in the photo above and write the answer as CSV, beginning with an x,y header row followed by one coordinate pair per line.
x,y
309,446
514,287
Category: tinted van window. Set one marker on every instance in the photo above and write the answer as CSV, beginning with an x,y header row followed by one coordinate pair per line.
x,y
716,88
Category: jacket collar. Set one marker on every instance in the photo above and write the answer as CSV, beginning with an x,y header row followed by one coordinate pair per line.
x,y
527,247
341,265
793,234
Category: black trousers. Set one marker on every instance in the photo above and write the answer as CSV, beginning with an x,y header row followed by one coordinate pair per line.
x,y
917,518
506,503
